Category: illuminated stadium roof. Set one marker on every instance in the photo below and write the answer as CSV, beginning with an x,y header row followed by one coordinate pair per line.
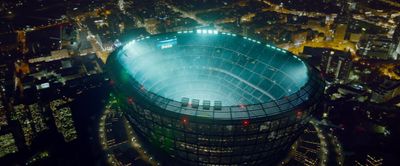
x,y
207,67
199,95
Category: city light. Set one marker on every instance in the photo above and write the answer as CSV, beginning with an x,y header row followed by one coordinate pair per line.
x,y
212,82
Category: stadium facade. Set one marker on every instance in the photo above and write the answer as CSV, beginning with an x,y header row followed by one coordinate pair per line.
x,y
211,98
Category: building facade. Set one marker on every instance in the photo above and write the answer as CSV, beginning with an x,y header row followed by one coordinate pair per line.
x,y
376,47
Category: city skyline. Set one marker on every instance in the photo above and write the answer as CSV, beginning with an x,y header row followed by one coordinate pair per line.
x,y
199,82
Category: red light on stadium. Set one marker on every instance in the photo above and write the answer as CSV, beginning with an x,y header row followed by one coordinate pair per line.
x,y
245,123
130,100
242,106
299,113
111,82
185,120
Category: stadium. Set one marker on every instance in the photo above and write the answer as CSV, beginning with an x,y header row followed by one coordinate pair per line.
x,y
205,97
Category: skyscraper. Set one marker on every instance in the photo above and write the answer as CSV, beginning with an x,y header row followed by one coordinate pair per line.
x,y
336,65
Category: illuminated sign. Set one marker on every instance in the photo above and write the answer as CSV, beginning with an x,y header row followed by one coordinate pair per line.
x,y
42,86
167,43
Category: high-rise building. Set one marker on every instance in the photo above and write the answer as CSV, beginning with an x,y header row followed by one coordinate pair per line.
x,y
5,77
396,41
396,52
7,144
336,65
376,47
340,32
62,115
396,34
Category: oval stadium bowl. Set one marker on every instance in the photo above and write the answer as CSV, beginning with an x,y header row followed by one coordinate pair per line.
x,y
205,97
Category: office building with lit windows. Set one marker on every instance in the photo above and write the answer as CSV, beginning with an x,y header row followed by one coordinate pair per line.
x,y
205,97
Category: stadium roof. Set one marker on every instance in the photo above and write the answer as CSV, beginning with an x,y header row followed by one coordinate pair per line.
x,y
207,69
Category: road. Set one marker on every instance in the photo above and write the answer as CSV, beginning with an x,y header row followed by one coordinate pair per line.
x,y
113,123
96,46
191,15
393,3
279,9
